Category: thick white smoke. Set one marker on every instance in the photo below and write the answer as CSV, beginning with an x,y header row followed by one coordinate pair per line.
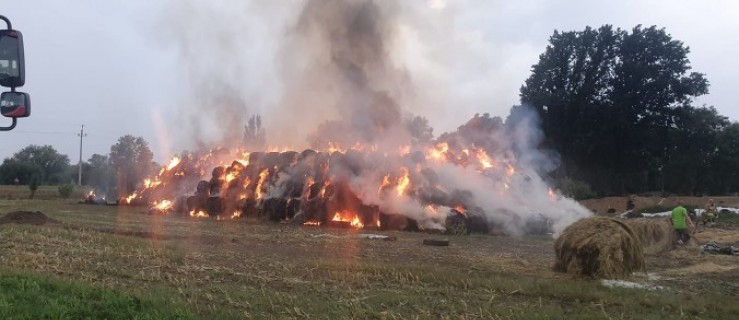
x,y
346,72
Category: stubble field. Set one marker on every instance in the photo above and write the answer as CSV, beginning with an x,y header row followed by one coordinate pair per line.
x,y
175,267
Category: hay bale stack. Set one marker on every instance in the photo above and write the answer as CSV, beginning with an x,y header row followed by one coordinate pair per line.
x,y
599,248
656,235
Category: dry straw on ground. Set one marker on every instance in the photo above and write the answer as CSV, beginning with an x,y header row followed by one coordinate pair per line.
x,y
599,248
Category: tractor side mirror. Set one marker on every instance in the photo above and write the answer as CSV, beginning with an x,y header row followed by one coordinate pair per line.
x,y
12,67
15,104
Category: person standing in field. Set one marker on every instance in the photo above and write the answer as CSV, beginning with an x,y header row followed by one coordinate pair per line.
x,y
710,213
680,220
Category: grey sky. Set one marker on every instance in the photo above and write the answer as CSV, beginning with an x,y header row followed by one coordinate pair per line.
x,y
108,64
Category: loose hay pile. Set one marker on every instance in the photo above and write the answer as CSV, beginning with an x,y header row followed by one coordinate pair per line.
x,y
26,217
599,248
657,235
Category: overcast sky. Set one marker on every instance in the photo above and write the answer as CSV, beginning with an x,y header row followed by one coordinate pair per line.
x,y
108,65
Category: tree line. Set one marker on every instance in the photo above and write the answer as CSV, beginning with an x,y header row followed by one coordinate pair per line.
x,y
618,106
118,172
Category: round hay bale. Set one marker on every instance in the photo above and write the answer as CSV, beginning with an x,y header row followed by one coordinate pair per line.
x,y
599,248
656,235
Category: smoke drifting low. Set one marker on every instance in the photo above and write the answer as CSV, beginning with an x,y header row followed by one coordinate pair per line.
x,y
333,74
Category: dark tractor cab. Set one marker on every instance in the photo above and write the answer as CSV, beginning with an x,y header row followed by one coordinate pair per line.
x,y
13,104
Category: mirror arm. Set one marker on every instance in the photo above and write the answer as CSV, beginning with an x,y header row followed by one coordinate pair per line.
x,y
15,121
7,21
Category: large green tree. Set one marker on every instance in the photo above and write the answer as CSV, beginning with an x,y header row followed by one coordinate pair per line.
x,y
608,98
98,173
132,160
43,161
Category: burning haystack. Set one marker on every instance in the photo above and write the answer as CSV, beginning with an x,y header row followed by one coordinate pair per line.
x,y
599,248
348,101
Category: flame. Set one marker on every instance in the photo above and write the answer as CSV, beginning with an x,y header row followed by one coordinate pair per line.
x,y
484,159
244,158
130,198
198,214
230,176
323,189
312,223
262,176
510,170
461,210
148,183
91,193
164,205
350,217
236,214
437,153
385,183
552,194
173,163
403,181
335,147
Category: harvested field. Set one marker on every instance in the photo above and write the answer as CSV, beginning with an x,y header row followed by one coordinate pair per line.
x,y
245,268
26,217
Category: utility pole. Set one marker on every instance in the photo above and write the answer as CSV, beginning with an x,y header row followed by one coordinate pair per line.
x,y
82,134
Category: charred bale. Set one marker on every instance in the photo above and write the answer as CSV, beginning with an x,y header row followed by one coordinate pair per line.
x,y
275,209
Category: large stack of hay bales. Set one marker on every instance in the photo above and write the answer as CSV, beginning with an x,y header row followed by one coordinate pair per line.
x,y
599,248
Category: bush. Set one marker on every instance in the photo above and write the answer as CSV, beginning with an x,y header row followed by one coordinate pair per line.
x,y
575,189
66,190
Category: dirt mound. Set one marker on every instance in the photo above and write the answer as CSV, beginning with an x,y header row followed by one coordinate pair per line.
x,y
599,248
27,217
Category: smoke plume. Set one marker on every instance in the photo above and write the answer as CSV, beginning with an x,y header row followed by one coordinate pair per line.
x,y
341,74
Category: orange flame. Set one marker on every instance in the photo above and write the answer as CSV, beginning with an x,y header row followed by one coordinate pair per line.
x,y
484,159
262,176
323,189
461,210
403,182
552,194
173,163
385,183
335,147
130,198
312,223
510,170
350,217
165,205
438,152
198,214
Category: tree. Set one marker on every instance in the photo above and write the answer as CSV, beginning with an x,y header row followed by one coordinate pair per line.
x,y
43,161
33,185
131,159
607,98
420,130
99,173
255,137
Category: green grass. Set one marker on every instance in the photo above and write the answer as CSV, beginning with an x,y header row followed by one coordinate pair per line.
x,y
30,296
248,269
43,193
